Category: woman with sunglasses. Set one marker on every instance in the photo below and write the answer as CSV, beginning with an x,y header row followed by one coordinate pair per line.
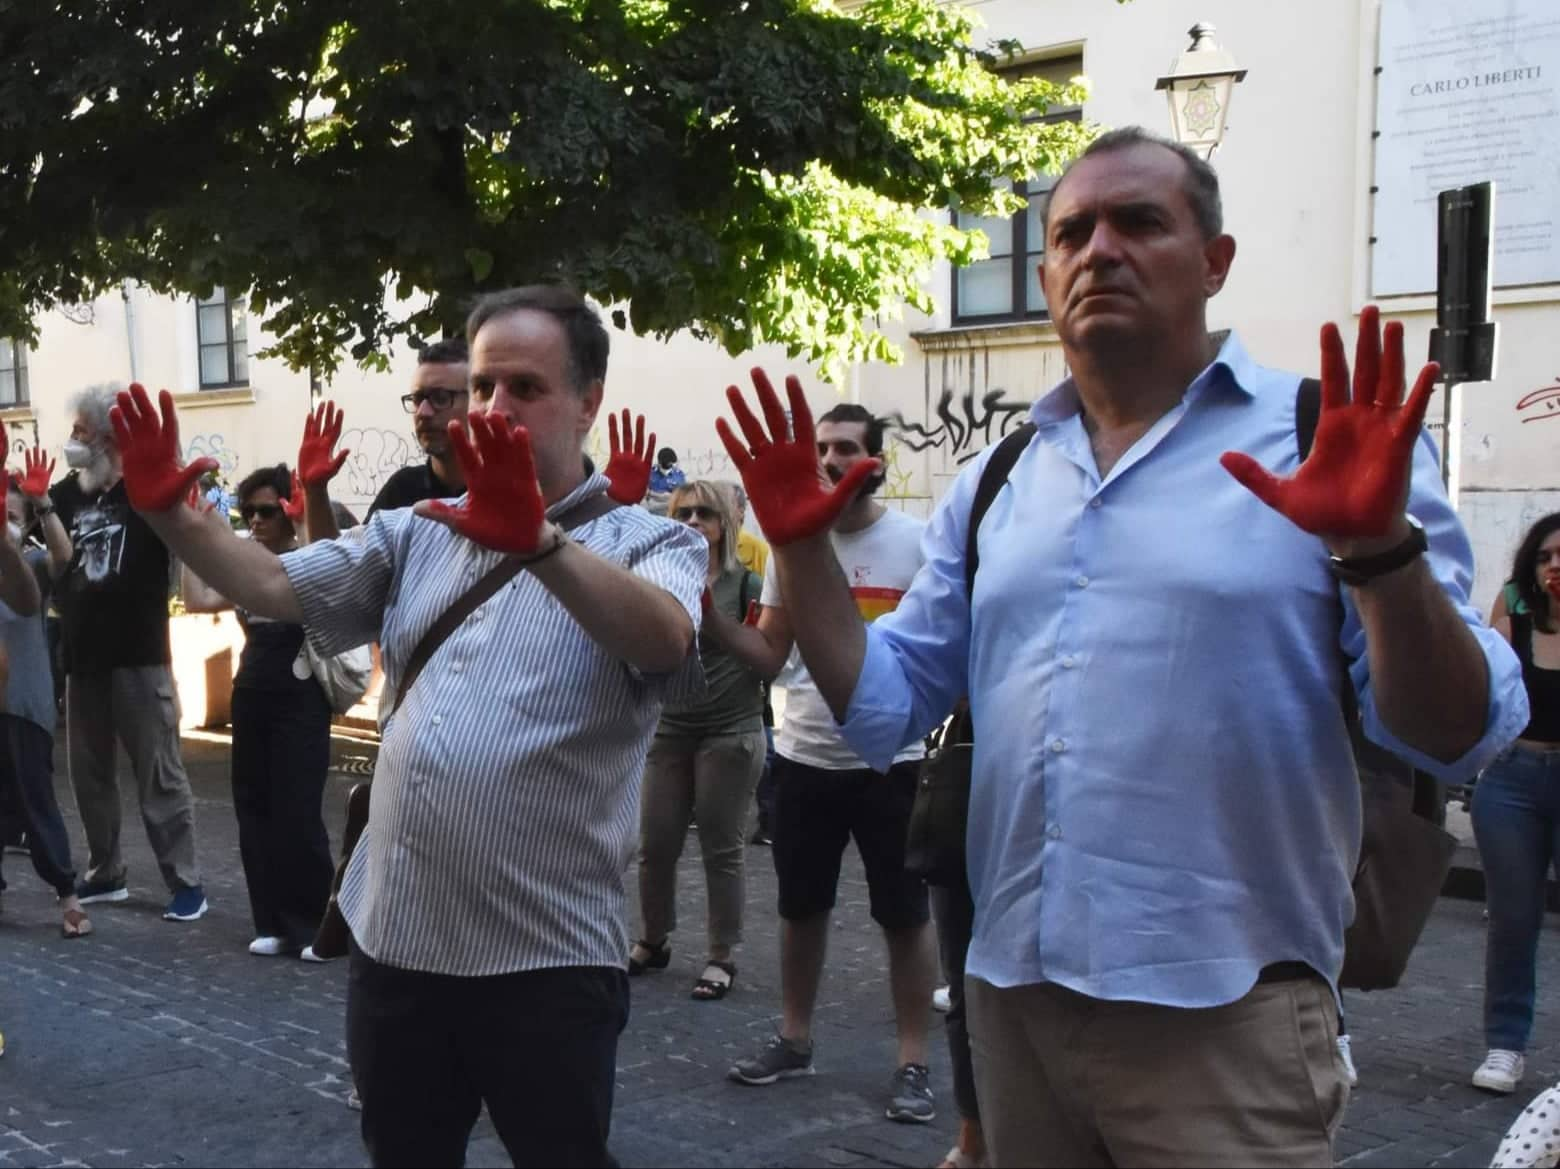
x,y
706,757
281,742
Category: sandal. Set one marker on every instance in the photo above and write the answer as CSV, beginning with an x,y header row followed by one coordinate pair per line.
x,y
709,990
75,925
659,957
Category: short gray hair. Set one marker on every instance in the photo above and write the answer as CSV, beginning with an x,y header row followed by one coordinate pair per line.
x,y
1201,185
93,403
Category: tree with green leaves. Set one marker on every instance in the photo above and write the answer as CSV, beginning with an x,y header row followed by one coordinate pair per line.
x,y
752,170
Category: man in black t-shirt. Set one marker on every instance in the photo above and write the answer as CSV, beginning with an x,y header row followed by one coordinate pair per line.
x,y
439,395
113,602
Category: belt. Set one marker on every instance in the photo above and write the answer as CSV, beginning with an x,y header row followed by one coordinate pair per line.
x,y
1286,972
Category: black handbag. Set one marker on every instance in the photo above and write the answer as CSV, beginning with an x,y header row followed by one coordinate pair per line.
x,y
939,819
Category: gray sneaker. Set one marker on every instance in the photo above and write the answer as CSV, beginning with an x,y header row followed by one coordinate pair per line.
x,y
779,1059
910,1095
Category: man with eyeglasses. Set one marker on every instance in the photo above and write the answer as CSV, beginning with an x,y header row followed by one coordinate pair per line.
x,y
439,396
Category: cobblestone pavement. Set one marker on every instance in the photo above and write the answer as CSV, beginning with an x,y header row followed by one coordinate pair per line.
x,y
159,1044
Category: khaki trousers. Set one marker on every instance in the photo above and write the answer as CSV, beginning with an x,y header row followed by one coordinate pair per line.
x,y
138,707
1069,1080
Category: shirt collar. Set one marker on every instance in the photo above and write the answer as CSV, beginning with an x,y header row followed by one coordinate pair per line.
x,y
1232,366
594,483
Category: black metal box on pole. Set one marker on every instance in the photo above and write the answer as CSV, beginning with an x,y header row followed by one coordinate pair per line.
x,y
1463,341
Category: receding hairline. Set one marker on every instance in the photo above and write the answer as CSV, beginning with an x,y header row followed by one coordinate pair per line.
x,y
1106,148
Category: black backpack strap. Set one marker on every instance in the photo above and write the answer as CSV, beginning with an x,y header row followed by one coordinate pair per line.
x,y
992,477
1308,412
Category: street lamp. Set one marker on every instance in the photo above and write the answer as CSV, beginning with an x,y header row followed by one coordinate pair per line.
x,y
1198,86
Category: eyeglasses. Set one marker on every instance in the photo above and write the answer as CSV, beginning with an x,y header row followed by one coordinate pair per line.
x,y
438,399
683,514
266,511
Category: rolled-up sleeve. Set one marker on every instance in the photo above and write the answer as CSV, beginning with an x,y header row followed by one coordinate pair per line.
x,y
342,585
917,659
1450,559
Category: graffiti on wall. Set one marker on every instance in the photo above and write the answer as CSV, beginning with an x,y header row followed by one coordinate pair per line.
x,y
1543,403
962,428
376,455
212,446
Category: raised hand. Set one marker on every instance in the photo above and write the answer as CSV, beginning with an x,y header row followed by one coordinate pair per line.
x,y
503,508
149,451
629,466
39,470
321,433
1354,485
780,473
294,505
197,502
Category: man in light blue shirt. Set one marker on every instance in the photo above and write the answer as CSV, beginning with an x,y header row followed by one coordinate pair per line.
x,y
1165,816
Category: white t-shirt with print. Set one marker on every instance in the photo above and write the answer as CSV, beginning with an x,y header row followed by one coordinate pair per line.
x,y
879,561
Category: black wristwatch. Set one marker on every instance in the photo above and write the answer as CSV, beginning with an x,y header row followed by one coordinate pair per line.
x,y
1359,570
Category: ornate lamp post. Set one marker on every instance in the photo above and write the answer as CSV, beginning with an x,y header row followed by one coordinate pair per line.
x,y
1199,85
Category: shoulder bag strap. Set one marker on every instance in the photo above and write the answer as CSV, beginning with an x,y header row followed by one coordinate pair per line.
x,y
1308,412
494,579
992,477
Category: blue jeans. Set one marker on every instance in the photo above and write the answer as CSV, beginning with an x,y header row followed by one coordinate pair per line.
x,y
1516,820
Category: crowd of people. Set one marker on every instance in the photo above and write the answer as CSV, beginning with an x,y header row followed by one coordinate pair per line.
x,y
1171,598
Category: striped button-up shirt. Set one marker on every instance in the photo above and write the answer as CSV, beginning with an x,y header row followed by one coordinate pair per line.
x,y
506,797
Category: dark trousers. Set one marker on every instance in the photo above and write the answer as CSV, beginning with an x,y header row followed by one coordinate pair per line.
x,y
27,779
953,907
281,751
539,1048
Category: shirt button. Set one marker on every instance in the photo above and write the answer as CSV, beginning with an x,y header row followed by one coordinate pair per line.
x,y
1082,582
1096,502
1054,832
457,667
1069,662
438,719
1058,746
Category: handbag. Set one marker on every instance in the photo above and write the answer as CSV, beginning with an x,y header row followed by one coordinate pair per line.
x,y
935,848
344,677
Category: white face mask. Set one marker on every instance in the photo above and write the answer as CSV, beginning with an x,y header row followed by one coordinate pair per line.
x,y
78,455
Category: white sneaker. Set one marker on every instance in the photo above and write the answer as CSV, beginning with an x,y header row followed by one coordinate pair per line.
x,y
1346,1054
941,1000
266,947
308,955
1501,1071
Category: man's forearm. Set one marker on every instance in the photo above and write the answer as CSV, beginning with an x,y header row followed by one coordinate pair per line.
x,y
1428,671
827,624
245,572
318,514
633,620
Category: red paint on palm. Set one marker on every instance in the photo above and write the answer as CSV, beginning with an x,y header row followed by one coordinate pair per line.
x,y
1354,485
39,470
780,469
629,466
503,510
294,505
321,433
754,609
149,451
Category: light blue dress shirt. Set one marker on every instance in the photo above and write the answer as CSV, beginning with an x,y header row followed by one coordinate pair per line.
x,y
1164,799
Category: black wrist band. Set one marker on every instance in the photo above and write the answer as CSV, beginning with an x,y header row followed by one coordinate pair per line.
x,y
1358,570
559,540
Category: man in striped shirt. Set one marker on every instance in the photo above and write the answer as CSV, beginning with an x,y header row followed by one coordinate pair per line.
x,y
485,897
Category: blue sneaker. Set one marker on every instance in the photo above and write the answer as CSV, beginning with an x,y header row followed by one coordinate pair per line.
x,y
187,905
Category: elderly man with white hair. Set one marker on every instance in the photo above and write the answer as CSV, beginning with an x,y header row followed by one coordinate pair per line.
x,y
113,601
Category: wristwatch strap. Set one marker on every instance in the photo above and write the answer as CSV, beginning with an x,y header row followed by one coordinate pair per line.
x,y
1358,570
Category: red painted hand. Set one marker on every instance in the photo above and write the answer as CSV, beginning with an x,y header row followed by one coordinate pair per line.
x,y
321,433
294,505
149,451
503,509
754,609
629,469
1354,485
40,469
781,476
197,502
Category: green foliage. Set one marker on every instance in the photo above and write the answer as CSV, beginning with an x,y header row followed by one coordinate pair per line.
x,y
753,170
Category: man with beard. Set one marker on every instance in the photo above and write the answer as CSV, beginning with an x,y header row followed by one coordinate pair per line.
x,y
439,396
825,794
113,602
